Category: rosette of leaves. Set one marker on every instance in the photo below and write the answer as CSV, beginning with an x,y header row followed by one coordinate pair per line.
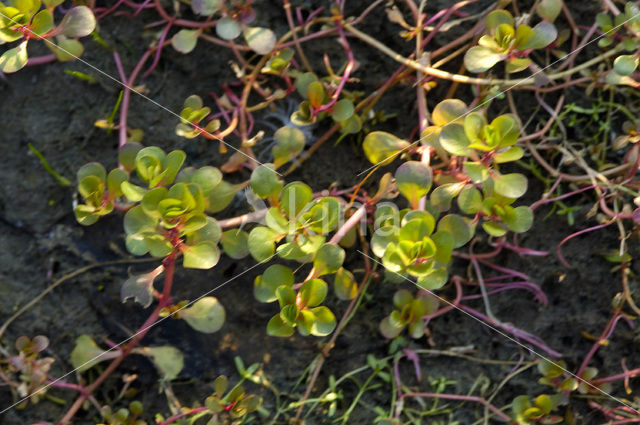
x,y
506,42
124,416
527,412
217,193
496,211
22,20
629,19
174,218
315,94
32,369
295,218
193,112
155,168
302,310
413,248
98,190
408,313
235,402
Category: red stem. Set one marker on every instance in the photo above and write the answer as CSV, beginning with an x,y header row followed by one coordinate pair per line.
x,y
163,301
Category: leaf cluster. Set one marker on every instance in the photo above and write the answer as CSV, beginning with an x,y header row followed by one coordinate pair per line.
x,y
24,20
507,41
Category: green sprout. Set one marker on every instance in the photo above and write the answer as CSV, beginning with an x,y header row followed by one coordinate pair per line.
x,y
408,313
506,41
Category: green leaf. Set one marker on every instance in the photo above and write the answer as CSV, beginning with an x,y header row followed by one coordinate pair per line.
x,y
514,153
265,285
205,315
470,200
625,64
235,243
454,140
205,7
227,28
316,94
382,238
127,155
325,321
87,354
302,82
221,195
443,195
294,197
521,221
78,22
494,229
545,34
290,142
168,360
342,110
459,227
476,171
480,59
185,40
277,327
381,147
444,246
321,215
261,242
285,295
207,178
312,292
328,259
66,49
114,180
202,255
514,65
140,288
549,9
416,229
260,40
344,284
265,182
134,193
512,185
136,221
42,22
497,18
28,7
448,111
389,329
435,279
86,215
413,179
277,222
14,59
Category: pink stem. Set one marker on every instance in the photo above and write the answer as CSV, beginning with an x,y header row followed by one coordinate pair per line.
x,y
568,238
41,60
156,58
174,418
517,333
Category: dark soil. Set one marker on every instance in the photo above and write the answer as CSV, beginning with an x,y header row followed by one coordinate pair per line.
x,y
40,241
